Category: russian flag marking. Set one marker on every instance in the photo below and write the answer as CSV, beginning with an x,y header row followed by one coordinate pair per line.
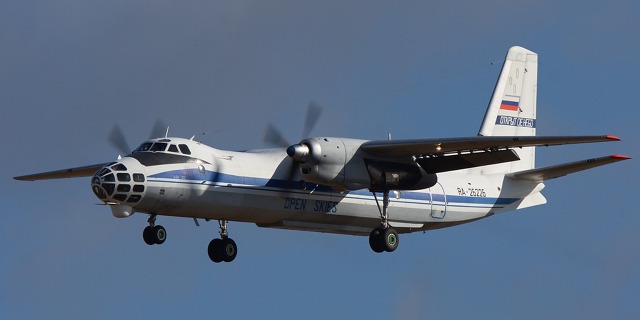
x,y
509,105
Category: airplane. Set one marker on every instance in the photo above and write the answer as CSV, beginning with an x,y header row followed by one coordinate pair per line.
x,y
374,188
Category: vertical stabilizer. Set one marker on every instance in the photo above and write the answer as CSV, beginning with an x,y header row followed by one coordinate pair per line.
x,y
512,108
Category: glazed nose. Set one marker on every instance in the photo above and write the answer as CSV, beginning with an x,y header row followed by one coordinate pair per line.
x,y
117,183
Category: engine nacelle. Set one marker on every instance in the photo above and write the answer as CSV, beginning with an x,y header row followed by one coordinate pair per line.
x,y
339,163
398,176
321,160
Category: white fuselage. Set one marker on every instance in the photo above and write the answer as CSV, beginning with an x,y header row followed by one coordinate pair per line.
x,y
256,186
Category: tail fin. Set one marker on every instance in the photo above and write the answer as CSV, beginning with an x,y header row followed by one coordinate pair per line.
x,y
512,108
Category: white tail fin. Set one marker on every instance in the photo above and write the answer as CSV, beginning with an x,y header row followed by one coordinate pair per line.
x,y
512,109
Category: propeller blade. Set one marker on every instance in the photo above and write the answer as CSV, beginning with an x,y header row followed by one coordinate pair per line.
x,y
159,129
292,172
273,137
313,114
117,139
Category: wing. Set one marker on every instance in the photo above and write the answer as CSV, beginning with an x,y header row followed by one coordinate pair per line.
x,y
440,155
85,171
552,172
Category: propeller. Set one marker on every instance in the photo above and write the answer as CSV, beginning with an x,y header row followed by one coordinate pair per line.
x,y
273,136
314,110
118,140
160,129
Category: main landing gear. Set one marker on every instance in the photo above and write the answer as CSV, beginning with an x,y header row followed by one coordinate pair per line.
x,y
384,237
223,248
153,234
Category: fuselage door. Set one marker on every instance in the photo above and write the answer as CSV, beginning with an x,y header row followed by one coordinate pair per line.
x,y
438,201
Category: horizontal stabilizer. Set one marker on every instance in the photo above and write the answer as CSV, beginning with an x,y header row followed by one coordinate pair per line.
x,y
464,161
552,172
76,172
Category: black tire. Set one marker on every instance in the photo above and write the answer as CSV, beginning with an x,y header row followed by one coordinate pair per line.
x,y
390,239
147,236
159,234
214,250
375,241
228,250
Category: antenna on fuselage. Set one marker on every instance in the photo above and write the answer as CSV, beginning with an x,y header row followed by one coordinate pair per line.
x,y
166,134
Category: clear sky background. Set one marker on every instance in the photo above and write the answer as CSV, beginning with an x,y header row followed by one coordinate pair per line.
x,y
70,70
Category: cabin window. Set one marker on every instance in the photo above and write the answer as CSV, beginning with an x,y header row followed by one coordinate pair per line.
x,y
173,148
124,188
124,177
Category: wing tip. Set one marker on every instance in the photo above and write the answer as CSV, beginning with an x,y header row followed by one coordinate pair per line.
x,y
612,137
619,157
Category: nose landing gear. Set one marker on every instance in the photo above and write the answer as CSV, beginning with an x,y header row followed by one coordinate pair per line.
x,y
153,234
223,248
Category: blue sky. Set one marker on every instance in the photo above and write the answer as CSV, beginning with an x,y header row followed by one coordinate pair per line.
x,y
71,69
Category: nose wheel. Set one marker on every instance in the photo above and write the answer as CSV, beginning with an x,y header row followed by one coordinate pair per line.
x,y
222,249
154,234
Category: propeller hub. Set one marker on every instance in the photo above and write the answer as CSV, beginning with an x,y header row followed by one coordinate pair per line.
x,y
298,152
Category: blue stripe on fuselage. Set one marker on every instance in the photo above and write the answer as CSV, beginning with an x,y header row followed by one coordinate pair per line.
x,y
193,176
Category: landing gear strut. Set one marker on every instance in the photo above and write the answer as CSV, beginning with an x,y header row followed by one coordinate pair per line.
x,y
224,248
384,237
153,234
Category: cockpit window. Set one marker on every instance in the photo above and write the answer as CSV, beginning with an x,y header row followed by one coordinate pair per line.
x,y
184,149
158,147
144,147
119,167
173,148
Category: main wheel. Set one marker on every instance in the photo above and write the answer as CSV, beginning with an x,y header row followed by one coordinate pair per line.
x,y
375,240
390,239
159,234
147,236
229,250
214,250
